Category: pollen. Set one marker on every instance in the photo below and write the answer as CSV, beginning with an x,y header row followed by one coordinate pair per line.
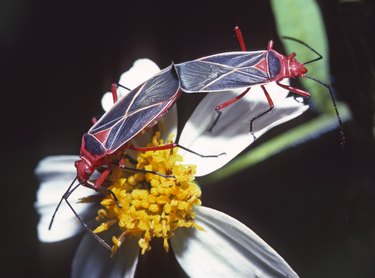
x,y
152,203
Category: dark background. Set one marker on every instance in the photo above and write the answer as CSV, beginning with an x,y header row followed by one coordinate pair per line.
x,y
314,203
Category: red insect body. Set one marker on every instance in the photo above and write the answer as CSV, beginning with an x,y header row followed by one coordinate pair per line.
x,y
289,68
215,73
138,110
142,107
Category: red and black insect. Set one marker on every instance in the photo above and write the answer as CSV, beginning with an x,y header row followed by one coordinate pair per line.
x,y
142,107
145,105
109,137
244,69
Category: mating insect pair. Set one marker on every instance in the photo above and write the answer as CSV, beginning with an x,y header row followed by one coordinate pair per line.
x,y
143,106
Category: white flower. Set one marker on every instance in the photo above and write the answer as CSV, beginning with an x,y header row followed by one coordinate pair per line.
x,y
200,253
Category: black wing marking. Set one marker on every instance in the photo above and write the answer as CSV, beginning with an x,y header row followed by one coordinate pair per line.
x,y
136,110
231,70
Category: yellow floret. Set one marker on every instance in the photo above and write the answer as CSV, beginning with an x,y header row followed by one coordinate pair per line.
x,y
152,206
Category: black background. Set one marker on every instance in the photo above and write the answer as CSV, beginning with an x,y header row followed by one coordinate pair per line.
x,y
314,204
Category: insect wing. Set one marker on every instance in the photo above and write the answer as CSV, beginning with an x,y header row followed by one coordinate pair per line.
x,y
134,112
220,72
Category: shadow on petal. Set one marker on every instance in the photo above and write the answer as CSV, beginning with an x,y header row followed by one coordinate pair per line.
x,y
92,260
226,248
231,134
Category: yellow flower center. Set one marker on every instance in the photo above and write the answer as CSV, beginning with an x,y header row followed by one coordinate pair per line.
x,y
150,205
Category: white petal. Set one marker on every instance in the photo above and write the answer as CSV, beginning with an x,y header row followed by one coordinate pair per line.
x,y
92,260
231,133
55,174
227,248
141,70
168,125
107,101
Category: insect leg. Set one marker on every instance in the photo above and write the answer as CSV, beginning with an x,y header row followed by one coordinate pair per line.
x,y
100,179
270,45
115,97
97,186
147,171
294,90
271,106
121,164
226,104
114,92
94,120
108,191
198,154
240,38
171,146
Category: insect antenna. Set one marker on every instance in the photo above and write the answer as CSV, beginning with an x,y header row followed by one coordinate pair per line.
x,y
98,238
64,196
342,135
306,45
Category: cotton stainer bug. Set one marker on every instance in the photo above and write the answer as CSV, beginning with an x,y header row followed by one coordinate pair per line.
x,y
110,136
244,69
142,107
